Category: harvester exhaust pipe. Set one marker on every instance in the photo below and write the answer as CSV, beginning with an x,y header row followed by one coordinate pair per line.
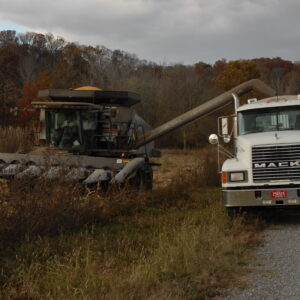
x,y
206,108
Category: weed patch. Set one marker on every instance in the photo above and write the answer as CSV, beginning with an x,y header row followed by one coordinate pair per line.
x,y
15,139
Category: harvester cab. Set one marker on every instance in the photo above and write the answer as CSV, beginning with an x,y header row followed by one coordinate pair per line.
x,y
93,122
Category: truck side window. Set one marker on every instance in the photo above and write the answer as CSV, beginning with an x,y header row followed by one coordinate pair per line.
x,y
297,122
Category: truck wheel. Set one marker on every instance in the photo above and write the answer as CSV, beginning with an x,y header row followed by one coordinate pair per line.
x,y
233,212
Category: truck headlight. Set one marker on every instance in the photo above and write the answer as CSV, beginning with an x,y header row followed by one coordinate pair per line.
x,y
237,176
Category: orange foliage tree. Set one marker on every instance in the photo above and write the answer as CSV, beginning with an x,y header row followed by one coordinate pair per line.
x,y
72,69
236,72
29,94
277,72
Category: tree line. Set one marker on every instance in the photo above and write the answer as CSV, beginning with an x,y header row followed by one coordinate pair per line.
x,y
33,61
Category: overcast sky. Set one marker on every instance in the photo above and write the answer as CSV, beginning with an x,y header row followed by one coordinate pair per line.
x,y
167,31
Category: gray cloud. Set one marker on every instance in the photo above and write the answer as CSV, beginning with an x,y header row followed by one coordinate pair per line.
x,y
169,30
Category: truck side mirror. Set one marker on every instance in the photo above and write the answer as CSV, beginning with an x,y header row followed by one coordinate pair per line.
x,y
213,139
224,126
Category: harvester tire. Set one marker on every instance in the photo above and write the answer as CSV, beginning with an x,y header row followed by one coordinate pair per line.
x,y
143,180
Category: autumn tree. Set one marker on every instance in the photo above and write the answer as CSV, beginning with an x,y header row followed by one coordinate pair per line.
x,y
274,71
29,94
10,82
72,68
236,72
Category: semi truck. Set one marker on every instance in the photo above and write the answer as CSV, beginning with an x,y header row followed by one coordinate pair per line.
x,y
263,167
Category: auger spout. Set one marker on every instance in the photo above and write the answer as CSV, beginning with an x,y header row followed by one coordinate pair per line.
x,y
205,108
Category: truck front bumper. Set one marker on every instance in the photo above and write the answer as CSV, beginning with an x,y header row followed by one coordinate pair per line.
x,y
259,197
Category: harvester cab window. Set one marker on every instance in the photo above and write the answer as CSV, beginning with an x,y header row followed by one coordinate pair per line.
x,y
98,129
89,128
108,131
64,129
103,130
93,130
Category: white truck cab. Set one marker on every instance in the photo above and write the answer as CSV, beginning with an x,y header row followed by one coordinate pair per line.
x,y
265,168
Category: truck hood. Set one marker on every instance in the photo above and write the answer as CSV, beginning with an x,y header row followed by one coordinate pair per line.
x,y
272,137
244,144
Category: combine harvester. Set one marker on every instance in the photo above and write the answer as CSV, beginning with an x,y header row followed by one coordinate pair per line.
x,y
99,139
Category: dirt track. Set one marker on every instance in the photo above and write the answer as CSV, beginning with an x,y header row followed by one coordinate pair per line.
x,y
276,273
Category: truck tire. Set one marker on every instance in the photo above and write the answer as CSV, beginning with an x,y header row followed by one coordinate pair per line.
x,y
233,212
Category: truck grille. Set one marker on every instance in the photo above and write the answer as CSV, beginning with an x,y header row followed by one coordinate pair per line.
x,y
280,162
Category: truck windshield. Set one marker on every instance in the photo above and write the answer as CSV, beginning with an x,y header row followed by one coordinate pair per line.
x,y
271,119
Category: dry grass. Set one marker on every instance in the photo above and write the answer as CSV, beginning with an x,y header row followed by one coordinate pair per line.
x,y
202,163
36,207
15,139
31,208
173,243
185,251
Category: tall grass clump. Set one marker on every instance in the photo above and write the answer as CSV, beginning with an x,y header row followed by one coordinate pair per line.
x,y
193,259
199,170
15,139
37,207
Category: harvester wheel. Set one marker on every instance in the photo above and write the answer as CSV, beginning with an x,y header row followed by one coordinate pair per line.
x,y
143,179
149,178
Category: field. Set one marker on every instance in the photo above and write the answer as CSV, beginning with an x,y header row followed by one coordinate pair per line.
x,y
173,243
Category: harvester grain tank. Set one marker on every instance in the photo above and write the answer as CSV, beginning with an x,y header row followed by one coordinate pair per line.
x,y
98,137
